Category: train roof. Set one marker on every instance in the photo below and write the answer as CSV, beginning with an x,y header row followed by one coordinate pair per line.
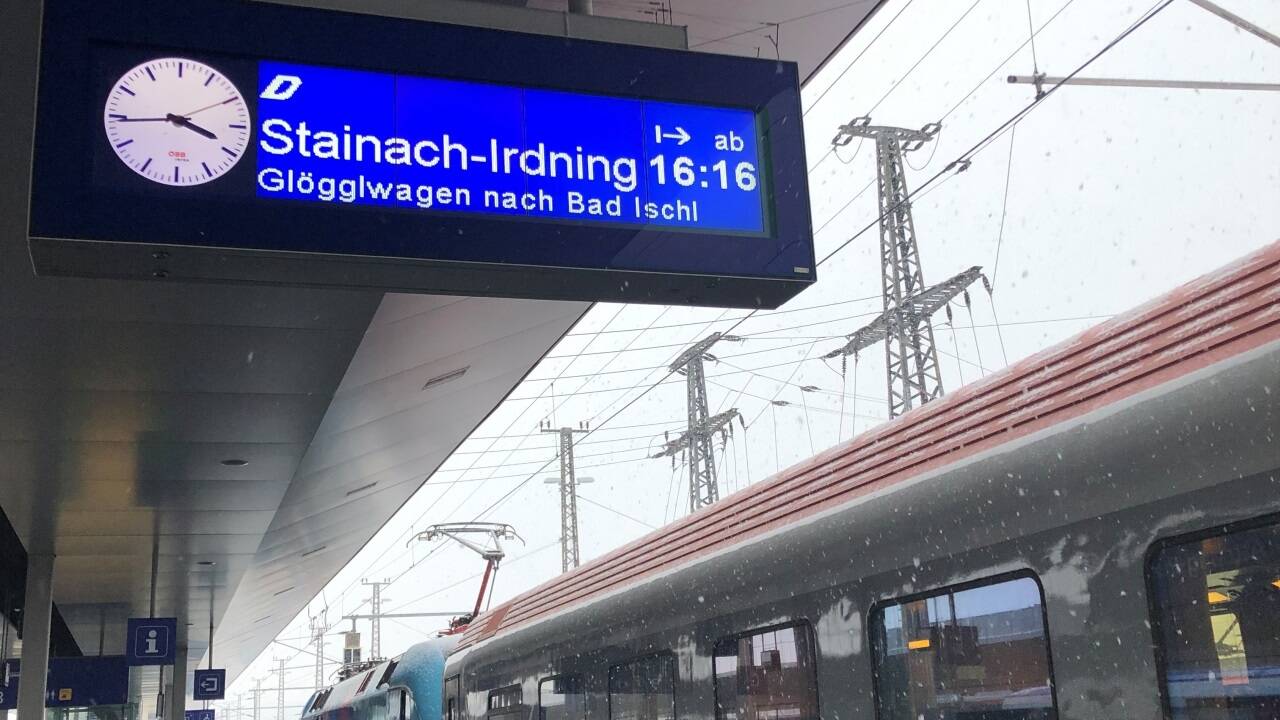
x,y
420,667
1216,317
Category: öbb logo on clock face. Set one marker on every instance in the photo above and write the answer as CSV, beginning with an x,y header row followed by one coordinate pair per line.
x,y
177,121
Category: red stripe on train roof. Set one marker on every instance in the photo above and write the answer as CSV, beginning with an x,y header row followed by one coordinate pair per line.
x,y
1210,319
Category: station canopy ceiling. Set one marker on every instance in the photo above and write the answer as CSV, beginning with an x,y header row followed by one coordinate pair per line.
x,y
255,438
806,32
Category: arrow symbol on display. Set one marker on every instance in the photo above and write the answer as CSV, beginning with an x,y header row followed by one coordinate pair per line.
x,y
680,136
209,684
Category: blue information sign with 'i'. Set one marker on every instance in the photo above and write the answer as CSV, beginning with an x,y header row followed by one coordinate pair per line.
x,y
151,641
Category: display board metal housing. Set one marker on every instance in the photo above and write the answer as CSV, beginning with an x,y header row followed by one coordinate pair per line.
x,y
252,142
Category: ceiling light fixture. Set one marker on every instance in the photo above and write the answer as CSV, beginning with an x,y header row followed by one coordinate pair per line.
x,y
313,551
206,563
451,375
235,462
362,488
278,594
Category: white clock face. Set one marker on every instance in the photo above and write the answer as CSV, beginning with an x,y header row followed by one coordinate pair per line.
x,y
177,121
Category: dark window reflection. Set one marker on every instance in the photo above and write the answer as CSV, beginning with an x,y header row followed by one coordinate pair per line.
x,y
561,698
506,702
643,689
1217,606
451,698
767,675
975,654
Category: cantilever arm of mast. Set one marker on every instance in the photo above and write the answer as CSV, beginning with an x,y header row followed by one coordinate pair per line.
x,y
861,127
714,424
700,349
921,305
454,613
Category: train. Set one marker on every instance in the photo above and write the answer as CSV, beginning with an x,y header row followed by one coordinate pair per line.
x,y
1093,532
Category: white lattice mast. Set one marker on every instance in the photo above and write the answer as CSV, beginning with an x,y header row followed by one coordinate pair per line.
x,y
280,688
911,358
375,616
319,626
568,481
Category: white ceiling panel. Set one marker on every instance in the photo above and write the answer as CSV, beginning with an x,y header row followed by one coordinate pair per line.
x,y
383,435
806,32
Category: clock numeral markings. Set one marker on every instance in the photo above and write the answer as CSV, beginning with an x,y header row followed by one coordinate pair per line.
x,y
122,144
145,165
117,116
207,171
208,80
175,173
127,90
237,126
228,151
151,74
179,69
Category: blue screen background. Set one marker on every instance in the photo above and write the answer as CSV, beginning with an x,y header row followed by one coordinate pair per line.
x,y
475,114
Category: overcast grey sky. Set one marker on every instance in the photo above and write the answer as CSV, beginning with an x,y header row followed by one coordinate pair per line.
x,y
1115,196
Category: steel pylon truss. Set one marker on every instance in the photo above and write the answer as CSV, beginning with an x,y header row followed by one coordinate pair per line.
x,y
703,487
569,557
905,326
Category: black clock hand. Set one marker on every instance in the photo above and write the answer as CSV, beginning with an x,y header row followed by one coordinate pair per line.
x,y
186,123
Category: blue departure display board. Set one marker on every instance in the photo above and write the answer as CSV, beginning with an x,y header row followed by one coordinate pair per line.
x,y
346,136
381,153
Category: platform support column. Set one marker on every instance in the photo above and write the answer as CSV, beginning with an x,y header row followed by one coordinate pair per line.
x,y
37,613
178,695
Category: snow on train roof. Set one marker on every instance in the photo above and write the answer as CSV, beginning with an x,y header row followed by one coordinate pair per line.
x,y
1215,317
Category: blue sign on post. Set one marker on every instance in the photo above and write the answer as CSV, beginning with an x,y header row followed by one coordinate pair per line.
x,y
151,641
198,715
9,674
72,682
209,684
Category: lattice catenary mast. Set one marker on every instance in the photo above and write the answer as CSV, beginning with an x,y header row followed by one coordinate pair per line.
x,y
280,687
568,482
375,619
319,626
703,487
911,359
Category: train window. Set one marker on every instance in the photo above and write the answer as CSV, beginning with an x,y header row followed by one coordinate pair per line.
x,y
399,704
643,689
451,693
386,674
767,675
1215,601
971,651
561,698
505,700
